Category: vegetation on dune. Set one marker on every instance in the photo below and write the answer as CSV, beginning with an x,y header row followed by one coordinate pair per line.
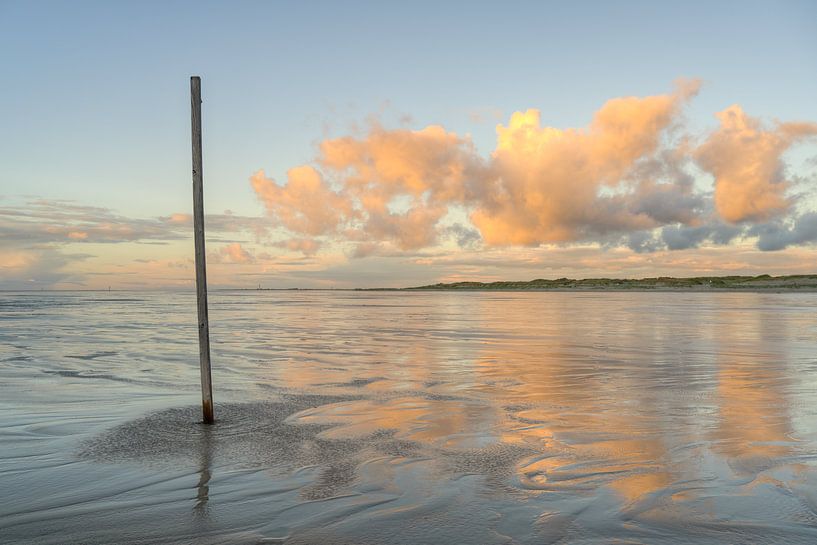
x,y
763,281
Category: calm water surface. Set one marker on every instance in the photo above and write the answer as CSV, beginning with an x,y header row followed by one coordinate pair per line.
x,y
410,418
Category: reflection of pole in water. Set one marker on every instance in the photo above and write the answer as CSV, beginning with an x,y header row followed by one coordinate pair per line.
x,y
203,486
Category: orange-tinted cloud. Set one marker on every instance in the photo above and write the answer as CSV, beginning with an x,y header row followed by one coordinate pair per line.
x,y
235,253
548,185
306,204
402,181
389,189
745,159
403,162
625,179
307,246
392,186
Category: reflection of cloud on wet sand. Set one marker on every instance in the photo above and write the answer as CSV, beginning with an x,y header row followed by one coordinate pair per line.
x,y
538,408
754,430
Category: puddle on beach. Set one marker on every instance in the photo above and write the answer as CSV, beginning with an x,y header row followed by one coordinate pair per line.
x,y
410,418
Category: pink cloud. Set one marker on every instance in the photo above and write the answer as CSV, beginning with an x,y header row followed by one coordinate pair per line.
x,y
234,253
745,159
622,180
306,204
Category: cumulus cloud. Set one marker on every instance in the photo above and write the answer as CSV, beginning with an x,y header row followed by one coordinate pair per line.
x,y
778,235
306,204
745,159
386,163
684,237
233,253
549,182
664,190
388,186
307,246
466,237
629,178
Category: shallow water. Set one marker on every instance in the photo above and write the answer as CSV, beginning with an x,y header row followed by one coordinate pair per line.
x,y
410,418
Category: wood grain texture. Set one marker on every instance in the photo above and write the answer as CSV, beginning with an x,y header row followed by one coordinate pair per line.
x,y
201,265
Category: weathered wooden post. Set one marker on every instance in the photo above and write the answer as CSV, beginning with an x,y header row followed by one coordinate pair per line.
x,y
201,264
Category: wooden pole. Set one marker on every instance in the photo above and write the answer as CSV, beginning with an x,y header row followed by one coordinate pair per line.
x,y
201,265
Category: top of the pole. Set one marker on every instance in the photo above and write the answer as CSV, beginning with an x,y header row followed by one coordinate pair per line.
x,y
195,88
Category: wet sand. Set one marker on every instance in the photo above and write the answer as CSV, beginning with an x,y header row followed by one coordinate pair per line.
x,y
393,417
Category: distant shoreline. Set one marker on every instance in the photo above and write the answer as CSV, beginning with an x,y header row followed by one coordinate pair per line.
x,y
761,283
809,289
702,284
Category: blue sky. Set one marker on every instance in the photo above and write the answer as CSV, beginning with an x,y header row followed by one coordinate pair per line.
x,y
94,100
95,95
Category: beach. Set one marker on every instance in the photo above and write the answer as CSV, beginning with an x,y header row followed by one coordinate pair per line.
x,y
410,418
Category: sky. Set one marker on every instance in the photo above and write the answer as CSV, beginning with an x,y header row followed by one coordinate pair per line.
x,y
366,144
